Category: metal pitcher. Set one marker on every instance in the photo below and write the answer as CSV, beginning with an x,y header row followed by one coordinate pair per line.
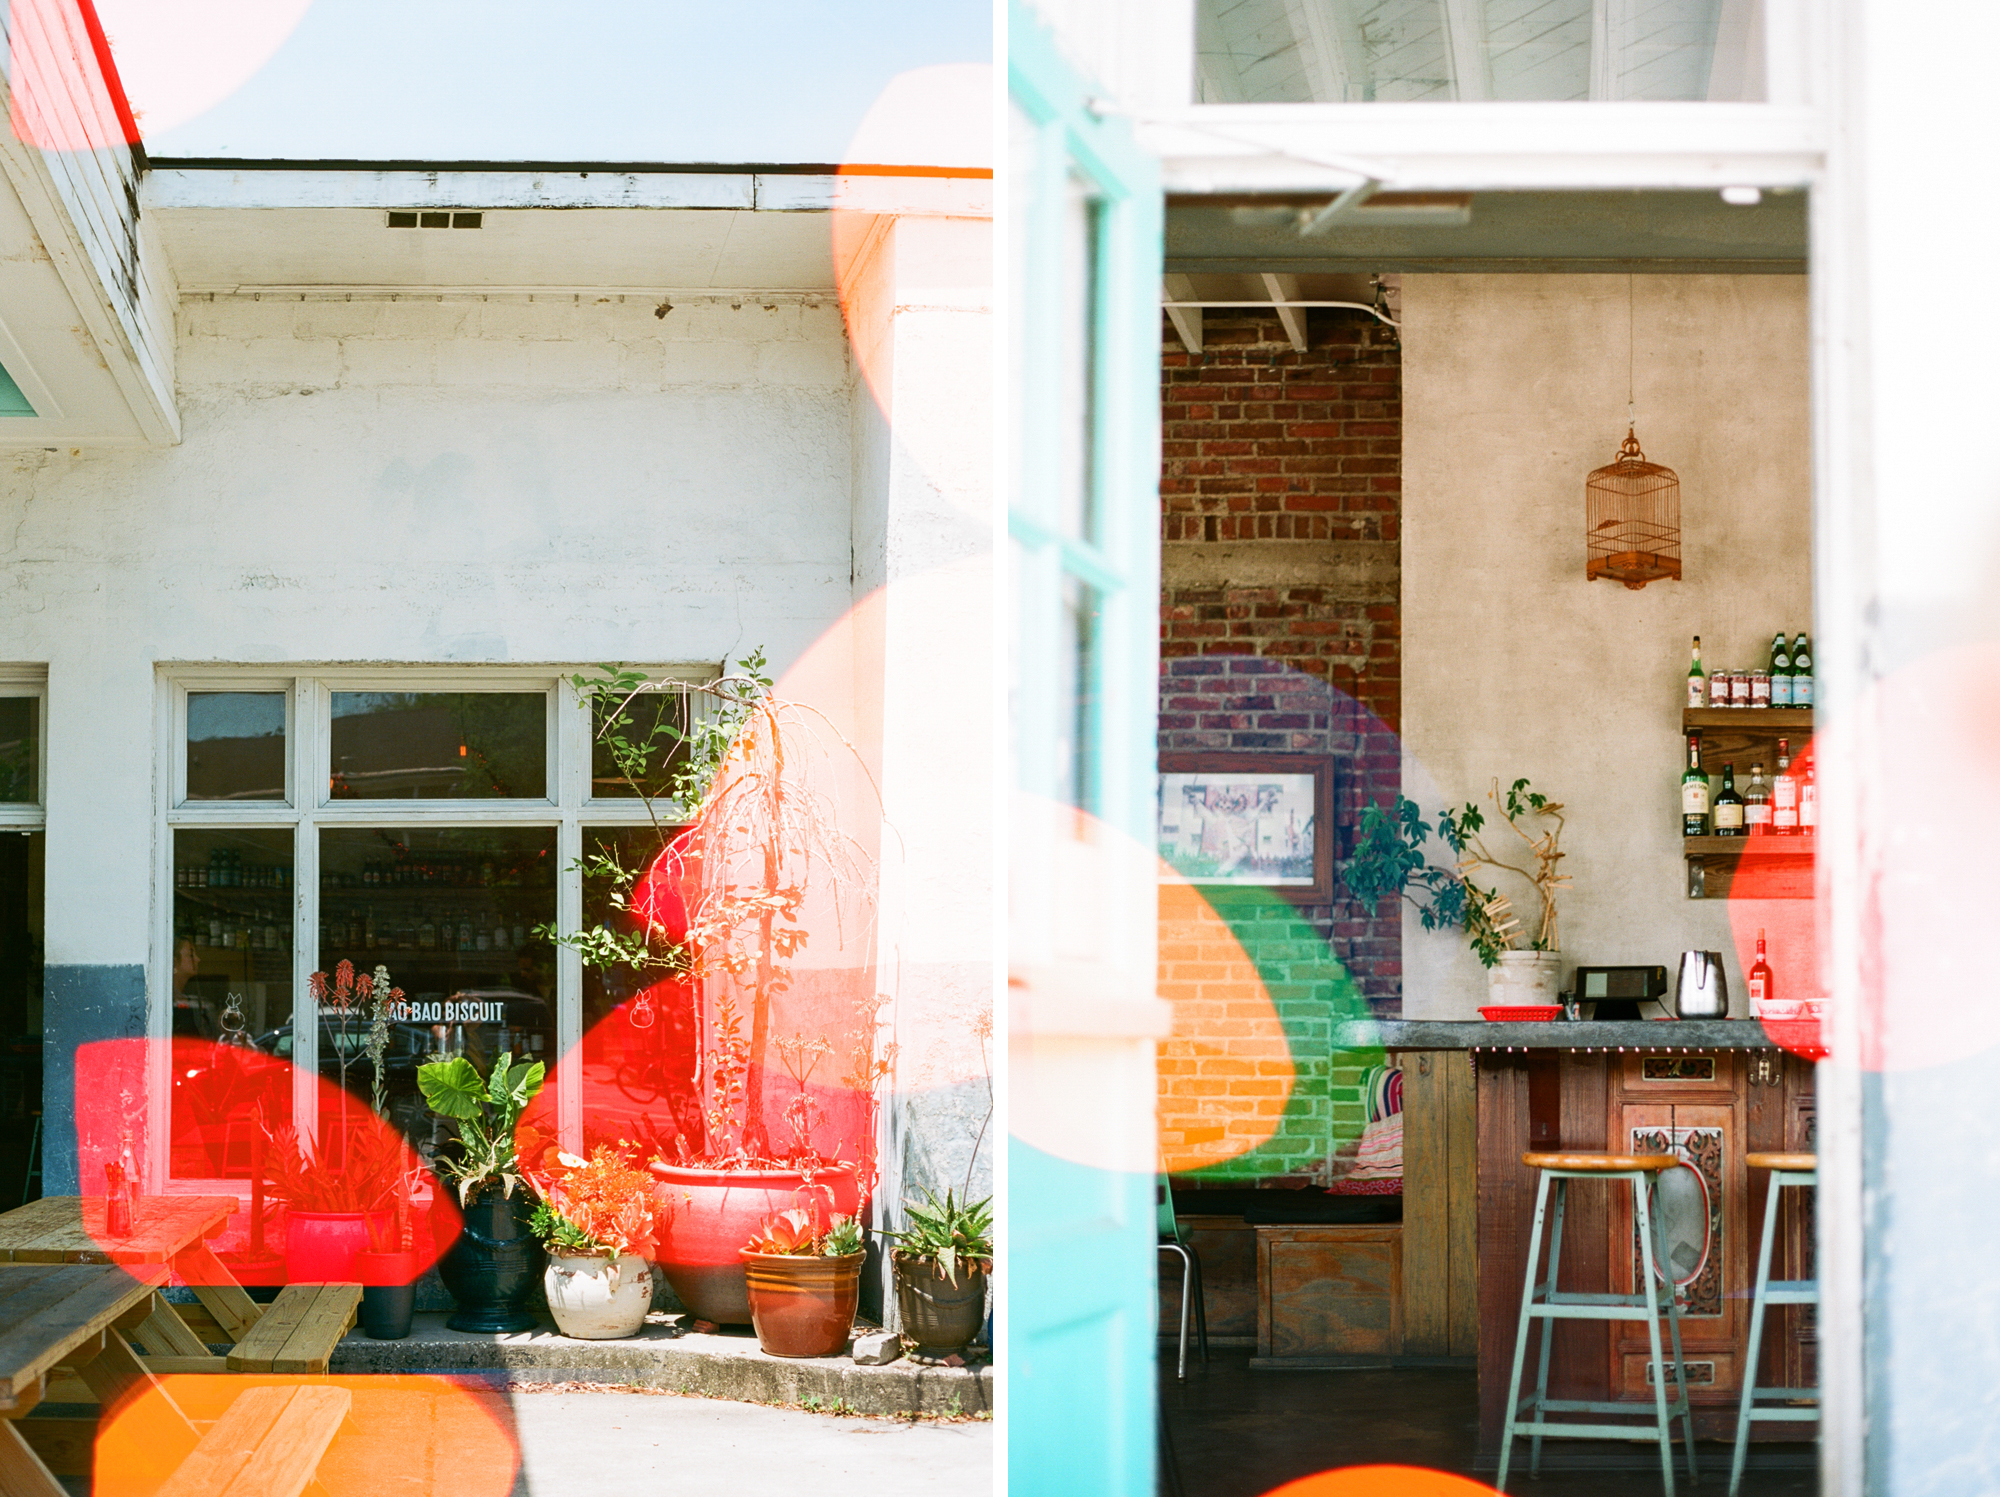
x,y
1703,989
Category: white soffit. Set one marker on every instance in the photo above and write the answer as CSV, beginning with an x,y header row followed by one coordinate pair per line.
x,y
232,230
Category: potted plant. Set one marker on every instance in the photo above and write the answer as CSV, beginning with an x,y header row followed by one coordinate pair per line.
x,y
719,912
494,1262
941,1262
804,1283
1389,859
597,1219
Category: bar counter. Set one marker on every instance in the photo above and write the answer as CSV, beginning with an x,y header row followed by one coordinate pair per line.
x,y
1560,1034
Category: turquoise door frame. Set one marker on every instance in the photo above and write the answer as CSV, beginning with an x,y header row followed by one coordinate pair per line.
x,y
1081,1259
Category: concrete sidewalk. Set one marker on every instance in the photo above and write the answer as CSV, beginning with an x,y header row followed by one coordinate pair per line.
x,y
642,1442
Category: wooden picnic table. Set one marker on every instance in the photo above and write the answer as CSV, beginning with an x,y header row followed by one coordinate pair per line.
x,y
74,1316
296,1334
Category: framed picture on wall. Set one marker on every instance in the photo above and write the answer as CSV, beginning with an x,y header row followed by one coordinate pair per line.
x,y
1249,821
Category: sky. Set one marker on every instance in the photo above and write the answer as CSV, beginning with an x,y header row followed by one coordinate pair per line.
x,y
505,80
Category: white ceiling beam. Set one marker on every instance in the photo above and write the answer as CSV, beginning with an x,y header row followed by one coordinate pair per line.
x,y
1465,50
1186,319
1283,289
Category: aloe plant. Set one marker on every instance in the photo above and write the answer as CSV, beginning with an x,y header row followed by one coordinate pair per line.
x,y
486,1113
948,1233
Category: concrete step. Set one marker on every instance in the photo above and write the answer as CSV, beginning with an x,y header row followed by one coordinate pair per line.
x,y
668,1354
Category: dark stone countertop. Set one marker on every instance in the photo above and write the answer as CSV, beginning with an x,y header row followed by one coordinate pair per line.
x,y
1477,1034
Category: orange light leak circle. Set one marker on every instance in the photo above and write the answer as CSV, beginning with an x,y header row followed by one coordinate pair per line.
x,y
1776,897
1383,1481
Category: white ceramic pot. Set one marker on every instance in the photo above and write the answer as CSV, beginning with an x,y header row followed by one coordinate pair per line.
x,y
1522,977
594,1299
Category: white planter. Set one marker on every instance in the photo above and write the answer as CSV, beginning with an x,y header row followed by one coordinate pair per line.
x,y
594,1299
1522,977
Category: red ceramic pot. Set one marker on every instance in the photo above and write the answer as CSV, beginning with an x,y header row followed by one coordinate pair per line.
x,y
707,1215
801,1306
321,1246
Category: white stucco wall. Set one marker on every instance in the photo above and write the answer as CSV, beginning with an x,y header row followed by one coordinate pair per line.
x,y
1514,388
457,480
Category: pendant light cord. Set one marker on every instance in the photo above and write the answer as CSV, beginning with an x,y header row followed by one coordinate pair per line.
x,y
1631,407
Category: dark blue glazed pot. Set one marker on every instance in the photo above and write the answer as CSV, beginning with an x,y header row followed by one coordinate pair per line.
x,y
493,1268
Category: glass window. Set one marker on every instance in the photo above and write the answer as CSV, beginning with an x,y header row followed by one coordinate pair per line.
x,y
20,1003
641,755
1373,51
232,974
20,731
236,745
463,745
452,913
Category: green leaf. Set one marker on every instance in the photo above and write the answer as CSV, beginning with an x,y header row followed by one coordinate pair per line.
x,y
451,1087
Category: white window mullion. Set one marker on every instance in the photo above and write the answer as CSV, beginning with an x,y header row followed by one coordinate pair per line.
x,y
168,719
307,773
571,762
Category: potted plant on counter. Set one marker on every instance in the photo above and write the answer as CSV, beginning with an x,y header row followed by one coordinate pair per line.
x,y
1522,967
804,1284
941,1262
494,1262
597,1219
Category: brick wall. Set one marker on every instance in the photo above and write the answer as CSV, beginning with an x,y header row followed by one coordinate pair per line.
x,y
1279,632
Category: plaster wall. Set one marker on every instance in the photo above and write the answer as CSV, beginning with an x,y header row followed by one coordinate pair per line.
x,y
1515,665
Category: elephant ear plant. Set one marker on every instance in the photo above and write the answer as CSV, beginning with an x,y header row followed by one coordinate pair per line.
x,y
486,1114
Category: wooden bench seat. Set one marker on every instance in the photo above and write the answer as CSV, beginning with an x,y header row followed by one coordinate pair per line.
x,y
268,1444
298,1330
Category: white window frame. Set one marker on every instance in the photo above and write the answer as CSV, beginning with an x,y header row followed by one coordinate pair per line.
x,y
309,808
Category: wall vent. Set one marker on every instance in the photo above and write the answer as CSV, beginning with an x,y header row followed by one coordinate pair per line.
x,y
411,220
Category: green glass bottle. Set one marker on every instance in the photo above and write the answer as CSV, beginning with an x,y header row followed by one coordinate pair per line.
x,y
1697,678
1781,671
1802,672
1729,806
1694,792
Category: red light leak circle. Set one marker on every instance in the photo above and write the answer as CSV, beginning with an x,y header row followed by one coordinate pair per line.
x,y
1383,1481
1764,896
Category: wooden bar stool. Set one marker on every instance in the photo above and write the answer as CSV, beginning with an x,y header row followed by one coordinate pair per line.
x,y
1543,1302
1802,1404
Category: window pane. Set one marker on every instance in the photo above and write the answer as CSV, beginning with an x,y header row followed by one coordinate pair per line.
x,y
20,728
233,904
451,913
645,750
1076,695
1420,51
20,1003
463,745
642,1033
236,745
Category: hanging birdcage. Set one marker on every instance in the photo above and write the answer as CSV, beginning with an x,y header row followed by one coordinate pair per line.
x,y
1632,509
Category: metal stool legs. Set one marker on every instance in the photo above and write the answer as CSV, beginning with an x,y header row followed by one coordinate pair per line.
x,y
1190,1294
1542,1301
1780,1292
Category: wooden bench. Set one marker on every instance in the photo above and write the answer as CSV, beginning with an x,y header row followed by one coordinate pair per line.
x,y
298,1330
268,1444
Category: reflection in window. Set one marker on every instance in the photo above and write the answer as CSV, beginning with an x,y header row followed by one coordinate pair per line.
x,y
1425,51
236,745
463,745
1076,695
20,1005
20,728
645,751
232,976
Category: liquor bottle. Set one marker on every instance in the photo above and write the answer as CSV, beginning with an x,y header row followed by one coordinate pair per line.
x,y
1781,671
1757,804
1760,979
1697,679
1808,803
1729,806
1802,672
1785,794
427,935
1694,792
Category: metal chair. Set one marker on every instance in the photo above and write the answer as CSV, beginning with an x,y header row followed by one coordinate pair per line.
x,y
1802,1404
1544,1302
1171,1241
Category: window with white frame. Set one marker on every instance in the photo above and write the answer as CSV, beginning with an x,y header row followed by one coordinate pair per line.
x,y
425,820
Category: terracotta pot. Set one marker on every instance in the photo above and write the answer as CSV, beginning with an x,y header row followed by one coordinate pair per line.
x,y
321,1246
595,1299
938,1314
801,1306
494,1266
707,1215
388,1293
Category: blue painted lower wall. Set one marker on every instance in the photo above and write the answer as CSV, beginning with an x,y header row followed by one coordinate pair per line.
x,y
79,1004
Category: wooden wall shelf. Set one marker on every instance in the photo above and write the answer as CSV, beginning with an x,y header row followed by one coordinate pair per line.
x,y
1781,867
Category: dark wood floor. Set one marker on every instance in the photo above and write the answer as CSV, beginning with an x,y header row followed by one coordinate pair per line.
x,y
1232,1432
